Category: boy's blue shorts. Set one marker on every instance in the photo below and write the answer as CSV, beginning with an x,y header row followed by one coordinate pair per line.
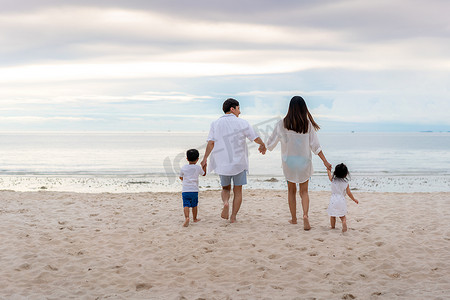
x,y
190,199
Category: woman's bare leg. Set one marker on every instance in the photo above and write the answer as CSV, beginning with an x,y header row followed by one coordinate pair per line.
x,y
292,191
305,204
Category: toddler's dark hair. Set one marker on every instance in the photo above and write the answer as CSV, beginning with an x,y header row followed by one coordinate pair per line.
x,y
341,171
192,155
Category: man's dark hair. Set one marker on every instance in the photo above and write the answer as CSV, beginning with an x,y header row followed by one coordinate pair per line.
x,y
229,103
192,155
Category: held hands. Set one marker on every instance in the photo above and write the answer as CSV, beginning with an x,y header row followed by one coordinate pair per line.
x,y
262,149
204,165
324,160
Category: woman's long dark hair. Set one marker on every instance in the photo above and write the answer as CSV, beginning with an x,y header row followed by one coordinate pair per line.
x,y
297,117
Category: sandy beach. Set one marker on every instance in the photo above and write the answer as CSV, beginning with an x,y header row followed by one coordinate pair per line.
x,y
57,245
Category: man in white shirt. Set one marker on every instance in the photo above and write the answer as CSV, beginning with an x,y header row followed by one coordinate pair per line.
x,y
229,154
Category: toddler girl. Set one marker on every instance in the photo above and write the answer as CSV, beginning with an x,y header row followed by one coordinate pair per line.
x,y
339,187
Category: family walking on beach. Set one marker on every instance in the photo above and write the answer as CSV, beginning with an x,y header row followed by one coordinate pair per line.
x,y
228,152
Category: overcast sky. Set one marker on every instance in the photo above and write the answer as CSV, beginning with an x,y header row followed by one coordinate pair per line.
x,y
168,65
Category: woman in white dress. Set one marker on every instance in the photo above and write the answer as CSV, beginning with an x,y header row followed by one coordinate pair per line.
x,y
297,135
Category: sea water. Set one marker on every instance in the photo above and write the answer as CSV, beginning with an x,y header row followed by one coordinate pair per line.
x,y
150,162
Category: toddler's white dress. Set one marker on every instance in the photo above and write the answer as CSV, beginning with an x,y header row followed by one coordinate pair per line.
x,y
338,203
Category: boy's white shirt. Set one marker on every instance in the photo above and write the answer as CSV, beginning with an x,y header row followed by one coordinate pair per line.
x,y
190,175
230,154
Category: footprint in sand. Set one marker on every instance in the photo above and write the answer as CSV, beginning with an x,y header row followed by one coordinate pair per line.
x,y
143,286
394,275
23,267
207,250
51,268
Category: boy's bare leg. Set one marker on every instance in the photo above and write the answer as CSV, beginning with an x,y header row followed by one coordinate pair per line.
x,y
333,222
194,214
186,216
292,192
344,223
237,201
305,204
226,191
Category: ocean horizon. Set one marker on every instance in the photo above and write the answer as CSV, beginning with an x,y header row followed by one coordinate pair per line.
x,y
150,161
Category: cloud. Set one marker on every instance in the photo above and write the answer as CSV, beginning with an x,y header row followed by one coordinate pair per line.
x,y
173,97
69,43
401,109
127,62
393,104
385,20
42,98
382,19
35,119
91,29
378,20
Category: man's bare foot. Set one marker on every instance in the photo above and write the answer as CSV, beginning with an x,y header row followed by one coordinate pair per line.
x,y
197,220
225,211
186,222
293,221
344,226
233,219
333,227
306,225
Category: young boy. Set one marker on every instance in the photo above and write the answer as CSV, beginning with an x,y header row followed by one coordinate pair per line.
x,y
189,176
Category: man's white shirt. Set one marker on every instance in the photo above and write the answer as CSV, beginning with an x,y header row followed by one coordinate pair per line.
x,y
230,153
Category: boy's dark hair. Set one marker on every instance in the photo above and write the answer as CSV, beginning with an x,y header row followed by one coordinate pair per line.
x,y
229,103
192,155
340,171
